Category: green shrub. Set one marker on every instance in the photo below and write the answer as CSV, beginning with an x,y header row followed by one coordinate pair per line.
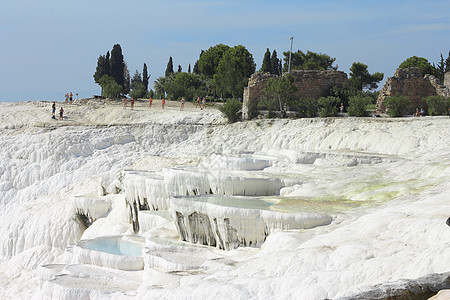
x,y
305,107
438,105
396,105
328,106
253,110
358,106
231,110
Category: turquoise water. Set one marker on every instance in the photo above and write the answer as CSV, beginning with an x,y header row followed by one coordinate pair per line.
x,y
113,245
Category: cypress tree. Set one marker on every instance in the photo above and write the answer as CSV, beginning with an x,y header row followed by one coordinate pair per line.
x,y
117,65
180,69
189,68
107,64
169,68
102,69
275,63
266,64
145,77
447,63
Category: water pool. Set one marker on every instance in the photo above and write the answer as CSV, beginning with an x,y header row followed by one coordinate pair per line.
x,y
118,245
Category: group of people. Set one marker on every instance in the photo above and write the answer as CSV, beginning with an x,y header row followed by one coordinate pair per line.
x,y
201,105
419,113
61,112
69,97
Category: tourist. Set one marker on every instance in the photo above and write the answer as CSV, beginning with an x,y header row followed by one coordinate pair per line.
x,y
125,102
341,108
150,101
422,112
70,97
416,114
182,103
198,102
132,103
54,110
61,114
67,97
163,102
204,102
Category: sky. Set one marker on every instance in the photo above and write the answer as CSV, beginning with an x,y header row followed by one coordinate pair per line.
x,y
51,47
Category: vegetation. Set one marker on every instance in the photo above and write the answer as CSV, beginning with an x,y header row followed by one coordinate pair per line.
x,y
234,70
306,107
358,106
361,79
231,110
271,64
328,106
396,105
438,105
169,68
308,61
110,88
145,77
186,85
279,94
421,63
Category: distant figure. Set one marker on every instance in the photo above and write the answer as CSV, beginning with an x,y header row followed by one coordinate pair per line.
x,y
132,103
61,114
70,97
53,110
182,103
163,102
422,112
204,102
125,102
150,101
416,114
67,97
198,102
341,109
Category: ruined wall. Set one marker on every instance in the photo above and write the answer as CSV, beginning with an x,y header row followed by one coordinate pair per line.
x,y
310,83
447,80
411,83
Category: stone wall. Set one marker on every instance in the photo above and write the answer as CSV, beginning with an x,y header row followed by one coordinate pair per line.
x,y
412,84
447,79
310,83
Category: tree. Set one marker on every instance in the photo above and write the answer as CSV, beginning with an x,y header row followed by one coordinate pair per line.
x,y
275,64
184,85
396,105
267,63
127,79
360,78
279,92
358,106
189,68
438,105
145,77
110,88
209,60
102,68
160,86
196,70
231,110
308,61
447,63
180,69
418,62
117,65
234,70
169,68
328,106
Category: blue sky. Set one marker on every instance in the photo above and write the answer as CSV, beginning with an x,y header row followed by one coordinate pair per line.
x,y
50,47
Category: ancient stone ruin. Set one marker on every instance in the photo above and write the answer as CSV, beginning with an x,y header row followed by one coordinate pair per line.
x,y
412,84
311,84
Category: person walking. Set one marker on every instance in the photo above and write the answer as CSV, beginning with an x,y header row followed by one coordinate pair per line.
x,y
54,110
150,101
163,102
182,103
204,102
61,114
132,103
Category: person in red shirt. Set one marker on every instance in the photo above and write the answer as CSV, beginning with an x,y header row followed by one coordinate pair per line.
x,y
163,102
